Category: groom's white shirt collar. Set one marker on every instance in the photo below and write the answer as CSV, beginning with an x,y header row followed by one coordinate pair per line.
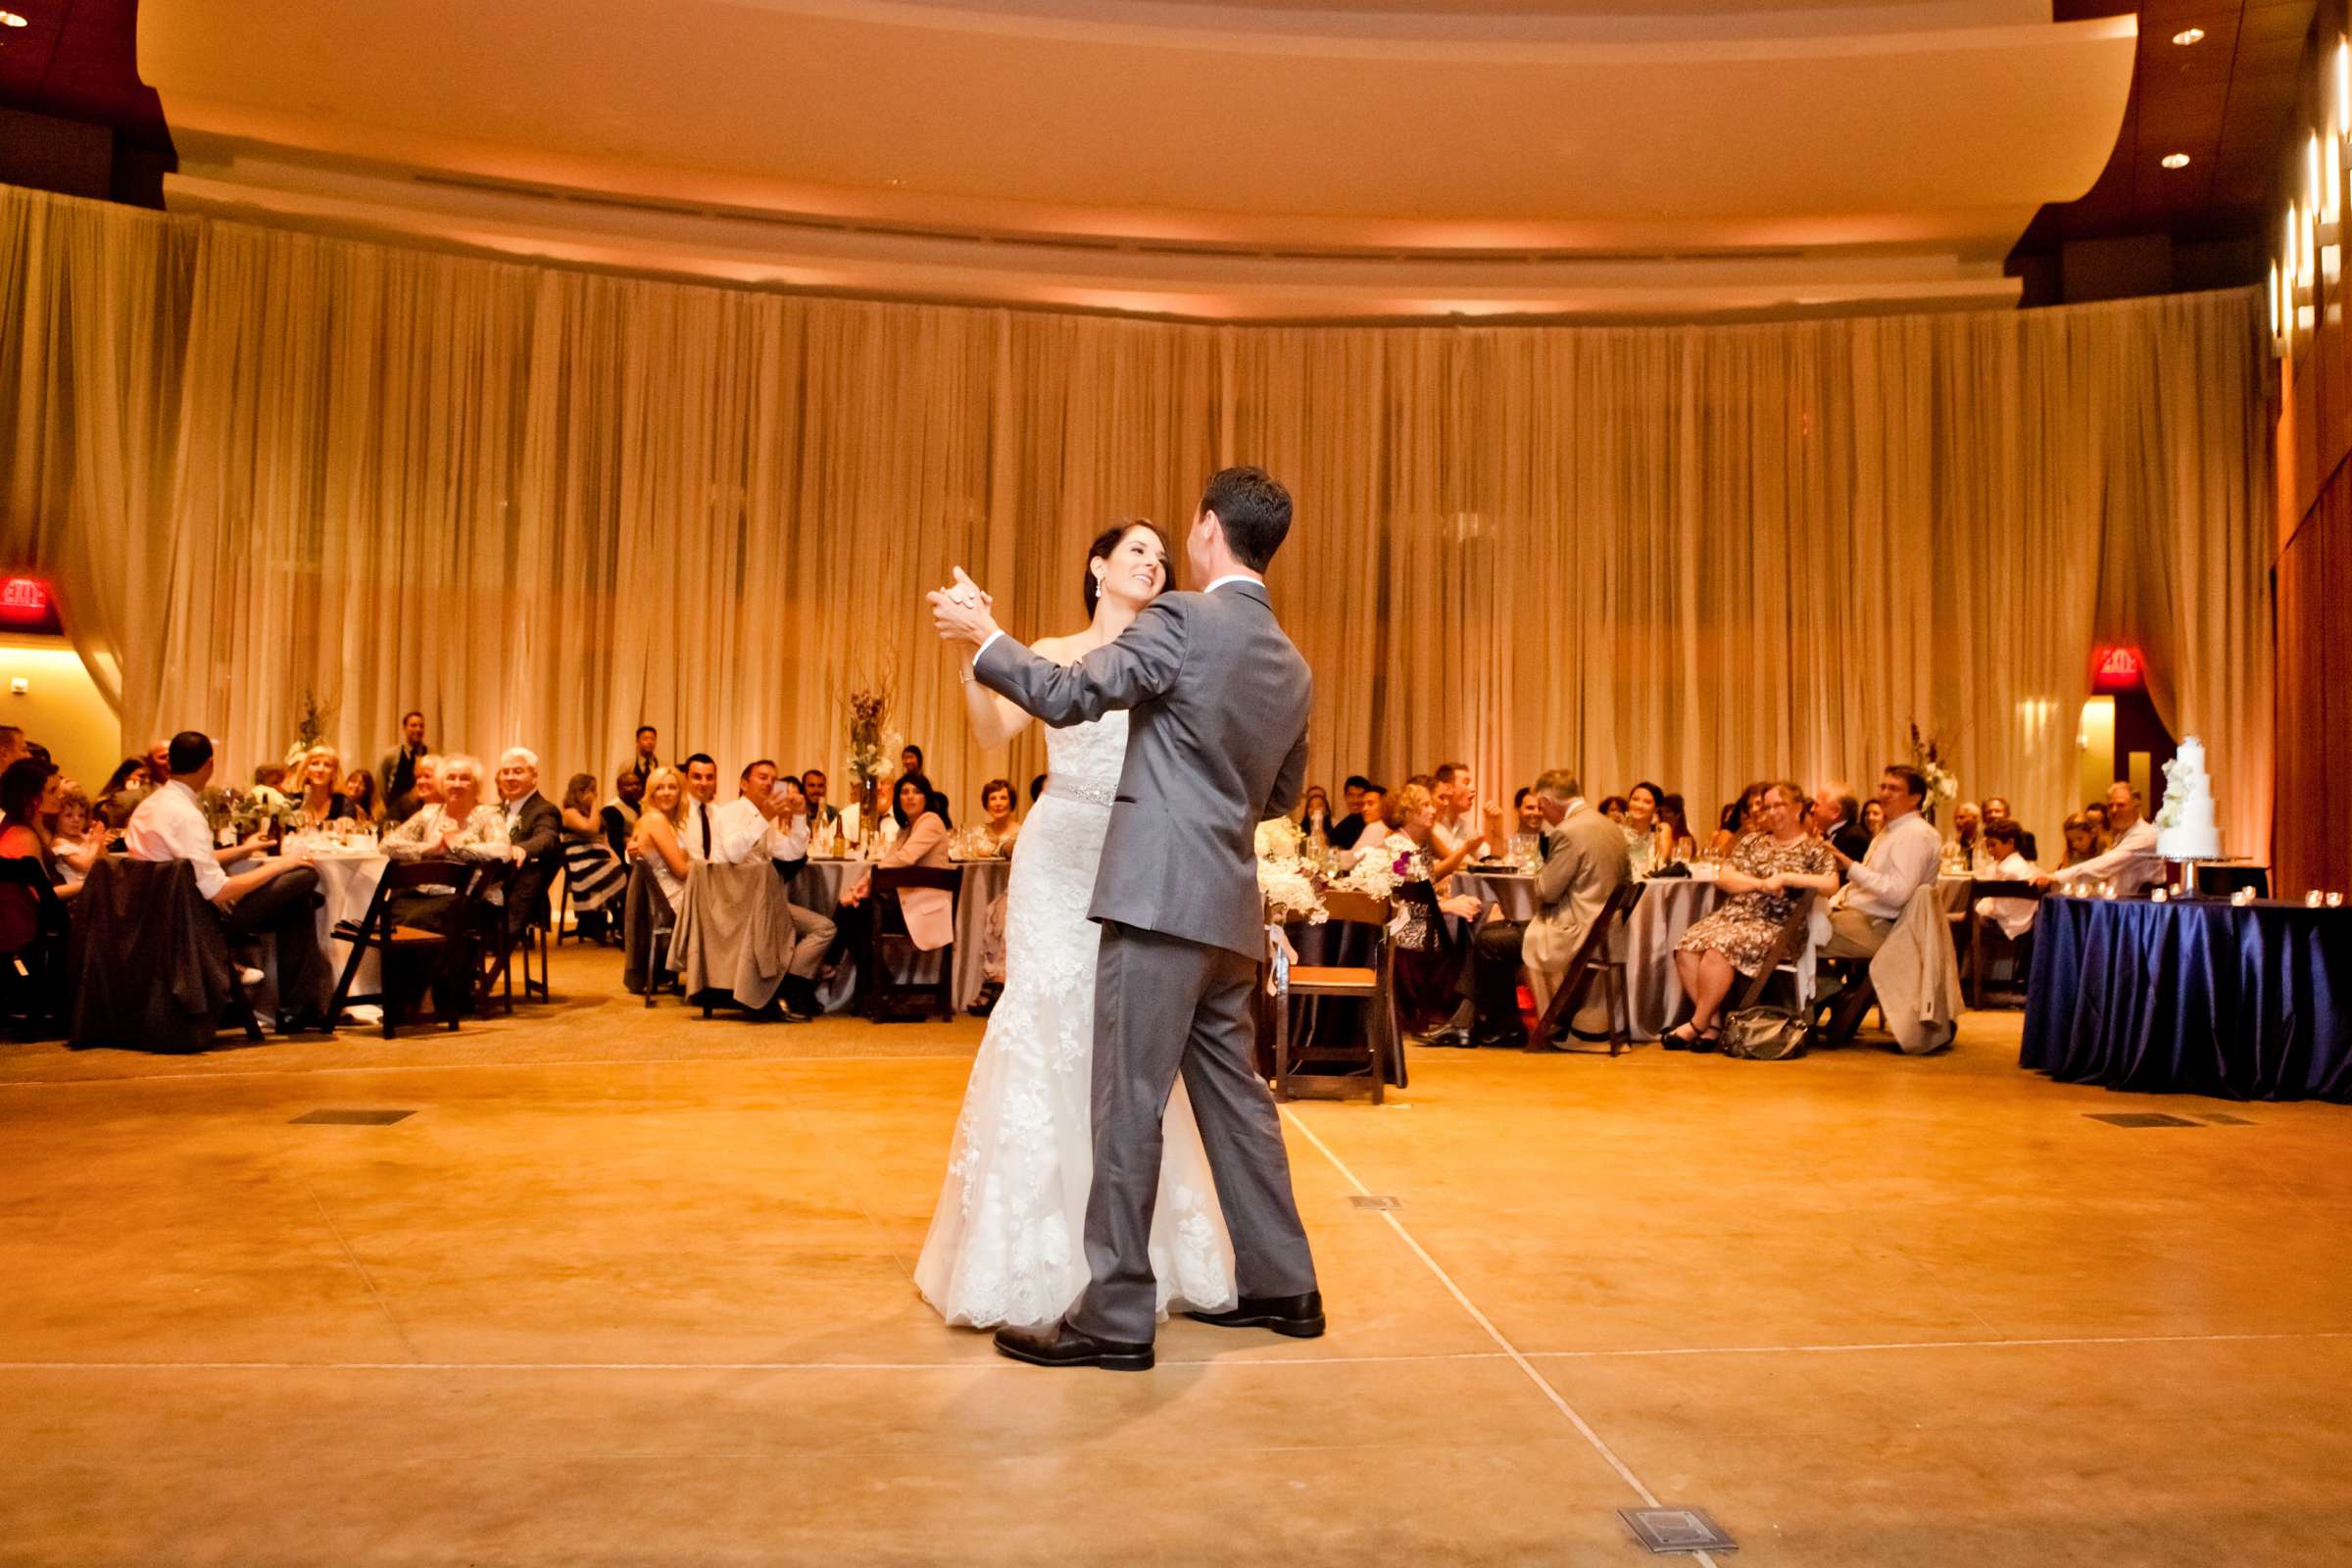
x,y
1231,576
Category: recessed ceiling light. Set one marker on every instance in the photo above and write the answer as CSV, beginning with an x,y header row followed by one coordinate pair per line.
x,y
2176,160
9,18
2188,36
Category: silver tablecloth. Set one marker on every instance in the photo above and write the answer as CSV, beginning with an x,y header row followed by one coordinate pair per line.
x,y
1664,912
1511,891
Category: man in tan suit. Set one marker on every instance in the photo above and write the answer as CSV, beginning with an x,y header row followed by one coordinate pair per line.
x,y
1585,863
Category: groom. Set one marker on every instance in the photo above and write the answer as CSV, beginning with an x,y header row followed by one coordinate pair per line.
x,y
1216,743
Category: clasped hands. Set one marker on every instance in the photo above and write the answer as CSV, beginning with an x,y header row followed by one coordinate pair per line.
x,y
962,611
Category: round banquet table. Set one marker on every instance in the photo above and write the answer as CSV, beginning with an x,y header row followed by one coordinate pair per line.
x,y
1668,905
2196,996
821,883
1511,891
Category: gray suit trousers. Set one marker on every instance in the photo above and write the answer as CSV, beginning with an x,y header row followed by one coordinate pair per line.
x,y
1164,1006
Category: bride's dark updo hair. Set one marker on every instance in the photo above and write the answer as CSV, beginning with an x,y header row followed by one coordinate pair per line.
x,y
1108,539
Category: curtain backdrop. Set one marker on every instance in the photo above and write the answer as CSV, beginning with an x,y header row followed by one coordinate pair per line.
x,y
545,504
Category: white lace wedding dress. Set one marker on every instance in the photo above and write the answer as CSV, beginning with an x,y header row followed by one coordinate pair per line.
x,y
1007,1243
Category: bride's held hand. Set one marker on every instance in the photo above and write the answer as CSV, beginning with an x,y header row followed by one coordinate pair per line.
x,y
961,611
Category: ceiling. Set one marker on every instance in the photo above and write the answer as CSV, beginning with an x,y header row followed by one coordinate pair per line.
x,y
1252,160
2227,100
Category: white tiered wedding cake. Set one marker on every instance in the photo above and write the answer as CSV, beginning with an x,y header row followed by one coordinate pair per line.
x,y
2185,828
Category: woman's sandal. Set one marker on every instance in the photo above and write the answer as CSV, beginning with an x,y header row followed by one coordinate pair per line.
x,y
1681,1037
1709,1042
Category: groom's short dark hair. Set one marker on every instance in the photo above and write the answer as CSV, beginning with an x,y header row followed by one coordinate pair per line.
x,y
1255,510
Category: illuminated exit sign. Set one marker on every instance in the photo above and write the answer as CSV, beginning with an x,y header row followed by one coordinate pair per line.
x,y
26,604
2117,670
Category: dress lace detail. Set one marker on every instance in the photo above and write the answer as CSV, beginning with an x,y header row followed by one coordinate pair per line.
x,y
1006,1242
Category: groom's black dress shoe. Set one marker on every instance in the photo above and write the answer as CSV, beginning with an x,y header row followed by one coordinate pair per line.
x,y
1060,1344
1299,1316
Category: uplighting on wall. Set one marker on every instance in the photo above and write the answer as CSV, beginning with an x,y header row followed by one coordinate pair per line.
x,y
2175,159
2188,36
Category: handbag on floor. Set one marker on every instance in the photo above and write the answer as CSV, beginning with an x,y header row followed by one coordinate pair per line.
x,y
1765,1033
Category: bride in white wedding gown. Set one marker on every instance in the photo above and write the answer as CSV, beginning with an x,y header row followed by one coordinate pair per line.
x,y
1007,1243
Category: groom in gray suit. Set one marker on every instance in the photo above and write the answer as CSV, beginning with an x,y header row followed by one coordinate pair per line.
x,y
1216,743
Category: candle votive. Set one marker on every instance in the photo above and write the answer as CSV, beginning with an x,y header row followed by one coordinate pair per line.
x,y
2335,900
2243,896
2160,897
2314,899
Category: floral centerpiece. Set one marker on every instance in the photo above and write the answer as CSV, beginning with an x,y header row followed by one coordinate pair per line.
x,y
1928,758
310,728
1294,891
247,812
875,746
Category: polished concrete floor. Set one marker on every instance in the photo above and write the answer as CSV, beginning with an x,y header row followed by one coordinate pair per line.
x,y
631,1288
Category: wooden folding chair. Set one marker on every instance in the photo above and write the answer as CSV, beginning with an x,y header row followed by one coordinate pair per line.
x,y
1595,963
887,1001
1374,985
33,976
647,926
417,949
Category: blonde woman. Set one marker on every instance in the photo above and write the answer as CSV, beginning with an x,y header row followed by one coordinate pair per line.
x,y
655,839
318,786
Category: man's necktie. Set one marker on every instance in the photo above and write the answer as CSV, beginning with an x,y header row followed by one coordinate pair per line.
x,y
705,815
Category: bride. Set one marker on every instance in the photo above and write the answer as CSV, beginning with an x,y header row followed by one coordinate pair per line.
x,y
1005,1243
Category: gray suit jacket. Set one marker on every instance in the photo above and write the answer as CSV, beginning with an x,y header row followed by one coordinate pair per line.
x,y
1588,863
1216,743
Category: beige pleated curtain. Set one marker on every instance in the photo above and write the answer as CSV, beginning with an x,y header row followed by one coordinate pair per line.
x,y
545,504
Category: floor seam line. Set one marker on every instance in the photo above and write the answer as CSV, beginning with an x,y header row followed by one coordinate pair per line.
x,y
361,1269
1518,1358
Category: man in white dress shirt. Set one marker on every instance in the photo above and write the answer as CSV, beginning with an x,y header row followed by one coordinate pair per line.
x,y
1901,860
277,898
2131,861
767,820
1457,822
697,835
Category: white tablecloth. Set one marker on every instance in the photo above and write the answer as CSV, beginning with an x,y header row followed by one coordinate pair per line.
x,y
1511,891
347,882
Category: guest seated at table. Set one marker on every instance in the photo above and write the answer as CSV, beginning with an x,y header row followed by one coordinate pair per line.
x,y
1583,866
321,802
1968,827
593,873
1426,979
2130,860
2007,864
619,818
459,825
822,818
125,787
2082,839
1351,795
922,841
999,827
1767,872
1454,788
366,807
1836,821
27,785
1996,809
767,820
1741,817
534,837
1527,811
698,834
658,839
1371,816
911,766
277,898
1900,862
1648,842
158,764
1314,812
1873,818
1612,807
424,789
78,841
1674,825
2096,810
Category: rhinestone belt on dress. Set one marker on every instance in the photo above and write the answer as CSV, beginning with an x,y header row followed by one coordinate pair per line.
x,y
1091,794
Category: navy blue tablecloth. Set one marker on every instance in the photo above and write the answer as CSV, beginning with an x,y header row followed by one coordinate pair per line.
x,y
2245,1002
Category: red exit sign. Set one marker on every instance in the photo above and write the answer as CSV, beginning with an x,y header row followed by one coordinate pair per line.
x,y
2117,669
26,604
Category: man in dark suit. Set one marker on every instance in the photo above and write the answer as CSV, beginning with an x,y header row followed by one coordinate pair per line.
x,y
1837,818
535,834
396,774
643,759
